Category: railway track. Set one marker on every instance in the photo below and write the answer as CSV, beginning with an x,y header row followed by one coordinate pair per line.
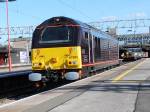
x,y
13,80
15,86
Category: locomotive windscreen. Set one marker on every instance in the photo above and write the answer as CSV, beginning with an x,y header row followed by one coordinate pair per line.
x,y
55,34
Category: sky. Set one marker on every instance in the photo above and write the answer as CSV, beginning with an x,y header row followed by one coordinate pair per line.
x,y
33,12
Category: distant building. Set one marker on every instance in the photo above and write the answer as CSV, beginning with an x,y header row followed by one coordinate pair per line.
x,y
15,55
112,31
24,48
3,55
24,43
20,51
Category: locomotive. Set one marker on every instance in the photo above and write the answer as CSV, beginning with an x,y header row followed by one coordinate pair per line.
x,y
64,48
130,54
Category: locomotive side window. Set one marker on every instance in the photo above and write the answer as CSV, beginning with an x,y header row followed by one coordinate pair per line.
x,y
86,35
55,34
97,48
85,40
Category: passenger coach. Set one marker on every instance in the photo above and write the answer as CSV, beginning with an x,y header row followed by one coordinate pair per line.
x,y
65,48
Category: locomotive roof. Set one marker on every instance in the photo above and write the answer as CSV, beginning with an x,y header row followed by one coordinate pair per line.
x,y
76,22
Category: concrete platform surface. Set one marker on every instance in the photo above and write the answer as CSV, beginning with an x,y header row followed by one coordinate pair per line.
x,y
15,67
122,89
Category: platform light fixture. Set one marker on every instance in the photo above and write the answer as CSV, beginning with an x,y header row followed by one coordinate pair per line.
x,y
8,33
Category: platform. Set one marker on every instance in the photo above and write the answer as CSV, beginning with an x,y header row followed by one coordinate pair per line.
x,y
122,89
15,67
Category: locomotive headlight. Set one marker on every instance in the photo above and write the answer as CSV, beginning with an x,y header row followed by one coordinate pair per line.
x,y
135,54
74,62
35,65
57,19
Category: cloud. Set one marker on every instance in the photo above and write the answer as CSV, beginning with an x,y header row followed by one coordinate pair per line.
x,y
109,18
137,15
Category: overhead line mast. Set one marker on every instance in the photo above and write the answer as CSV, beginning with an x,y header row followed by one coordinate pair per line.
x,y
103,25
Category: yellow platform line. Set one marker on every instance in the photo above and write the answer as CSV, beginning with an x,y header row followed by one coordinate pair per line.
x,y
121,76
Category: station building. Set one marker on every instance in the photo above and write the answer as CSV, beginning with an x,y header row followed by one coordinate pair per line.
x,y
20,51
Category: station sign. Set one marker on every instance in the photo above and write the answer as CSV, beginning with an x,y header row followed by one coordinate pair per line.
x,y
23,57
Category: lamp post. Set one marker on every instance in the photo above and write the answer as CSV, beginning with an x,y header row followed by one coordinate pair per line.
x,y
8,33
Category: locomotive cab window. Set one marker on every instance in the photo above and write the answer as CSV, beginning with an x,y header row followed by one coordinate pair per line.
x,y
55,34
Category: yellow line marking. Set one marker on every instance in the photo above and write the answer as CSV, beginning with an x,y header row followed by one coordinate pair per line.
x,y
121,76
